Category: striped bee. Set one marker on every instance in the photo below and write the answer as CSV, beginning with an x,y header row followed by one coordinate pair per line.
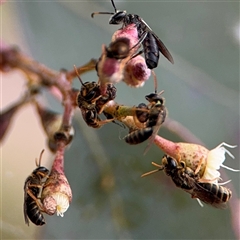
x,y
32,207
153,119
185,178
91,102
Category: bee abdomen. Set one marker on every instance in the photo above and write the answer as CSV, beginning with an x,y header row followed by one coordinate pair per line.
x,y
151,51
34,214
224,194
139,136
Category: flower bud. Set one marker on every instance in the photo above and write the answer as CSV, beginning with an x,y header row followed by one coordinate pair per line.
x,y
136,72
51,123
202,161
57,193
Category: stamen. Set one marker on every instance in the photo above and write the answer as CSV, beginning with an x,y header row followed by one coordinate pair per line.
x,y
224,182
231,169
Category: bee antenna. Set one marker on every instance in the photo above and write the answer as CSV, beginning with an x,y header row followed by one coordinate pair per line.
x,y
40,158
94,13
161,92
160,168
115,9
78,75
155,80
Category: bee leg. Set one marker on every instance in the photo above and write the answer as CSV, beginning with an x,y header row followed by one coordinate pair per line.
x,y
193,195
198,167
102,122
136,54
39,204
103,107
139,42
203,180
34,185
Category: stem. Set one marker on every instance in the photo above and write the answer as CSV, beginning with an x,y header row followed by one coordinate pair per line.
x,y
58,163
167,146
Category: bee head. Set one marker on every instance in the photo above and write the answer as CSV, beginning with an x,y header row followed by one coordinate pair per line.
x,y
42,172
90,91
155,98
118,17
170,164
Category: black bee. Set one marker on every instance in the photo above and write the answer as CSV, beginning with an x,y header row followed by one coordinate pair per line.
x,y
185,178
91,102
154,118
152,45
32,207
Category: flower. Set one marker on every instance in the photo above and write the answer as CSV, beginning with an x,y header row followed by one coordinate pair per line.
x,y
136,72
57,193
215,159
62,203
205,163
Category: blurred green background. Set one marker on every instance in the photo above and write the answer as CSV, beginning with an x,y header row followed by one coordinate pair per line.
x,y
110,200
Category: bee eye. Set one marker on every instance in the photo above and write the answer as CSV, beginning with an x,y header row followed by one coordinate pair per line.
x,y
90,95
171,163
150,96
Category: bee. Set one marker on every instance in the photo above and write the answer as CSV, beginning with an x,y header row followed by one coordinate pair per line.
x,y
153,119
32,207
111,64
91,102
152,45
185,178
118,49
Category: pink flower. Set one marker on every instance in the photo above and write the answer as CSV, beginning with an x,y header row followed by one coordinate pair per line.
x,y
136,72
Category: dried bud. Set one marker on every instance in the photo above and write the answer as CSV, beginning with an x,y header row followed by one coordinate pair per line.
x,y
52,123
136,72
7,116
57,193
9,57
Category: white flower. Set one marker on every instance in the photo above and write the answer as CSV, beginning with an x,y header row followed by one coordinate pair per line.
x,y
215,159
62,202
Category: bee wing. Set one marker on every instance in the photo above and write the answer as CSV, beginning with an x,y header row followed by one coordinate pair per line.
x,y
208,197
160,120
162,48
25,204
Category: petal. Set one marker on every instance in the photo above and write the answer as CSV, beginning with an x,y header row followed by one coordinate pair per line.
x,y
62,203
